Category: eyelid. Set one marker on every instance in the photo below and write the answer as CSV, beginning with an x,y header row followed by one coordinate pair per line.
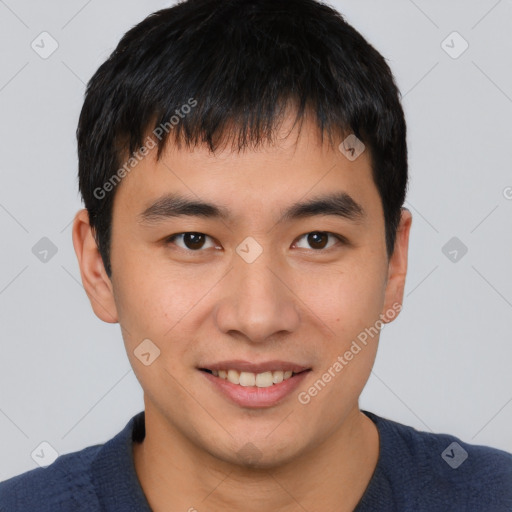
x,y
340,238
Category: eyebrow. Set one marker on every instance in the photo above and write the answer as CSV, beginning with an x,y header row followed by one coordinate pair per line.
x,y
172,205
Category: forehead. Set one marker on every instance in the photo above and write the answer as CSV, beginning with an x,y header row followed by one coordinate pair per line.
x,y
265,179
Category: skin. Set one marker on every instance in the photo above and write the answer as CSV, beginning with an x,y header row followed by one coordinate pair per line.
x,y
293,303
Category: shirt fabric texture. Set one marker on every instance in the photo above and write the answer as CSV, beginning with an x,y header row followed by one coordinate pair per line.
x,y
416,471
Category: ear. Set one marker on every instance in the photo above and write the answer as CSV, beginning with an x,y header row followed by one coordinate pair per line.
x,y
96,283
397,269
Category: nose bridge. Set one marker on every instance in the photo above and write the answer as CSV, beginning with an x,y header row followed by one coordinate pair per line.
x,y
259,304
257,279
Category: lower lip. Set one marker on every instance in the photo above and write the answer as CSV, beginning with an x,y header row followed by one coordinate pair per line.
x,y
252,396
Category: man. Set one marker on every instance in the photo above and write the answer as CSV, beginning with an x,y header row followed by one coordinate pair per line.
x,y
243,165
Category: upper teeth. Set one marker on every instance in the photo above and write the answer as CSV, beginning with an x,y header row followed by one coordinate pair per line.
x,y
261,380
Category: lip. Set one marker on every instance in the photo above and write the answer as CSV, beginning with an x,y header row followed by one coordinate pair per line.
x,y
252,396
247,366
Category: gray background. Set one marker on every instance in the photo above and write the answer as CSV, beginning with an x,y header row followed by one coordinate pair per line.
x,y
442,366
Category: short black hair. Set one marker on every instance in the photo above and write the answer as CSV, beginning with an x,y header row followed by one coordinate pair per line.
x,y
239,63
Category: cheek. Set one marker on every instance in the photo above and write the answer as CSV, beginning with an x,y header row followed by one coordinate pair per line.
x,y
346,299
154,308
155,301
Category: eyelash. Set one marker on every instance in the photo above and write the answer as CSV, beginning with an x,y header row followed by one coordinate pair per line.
x,y
341,239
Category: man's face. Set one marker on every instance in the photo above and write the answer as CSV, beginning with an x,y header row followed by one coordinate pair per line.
x,y
253,288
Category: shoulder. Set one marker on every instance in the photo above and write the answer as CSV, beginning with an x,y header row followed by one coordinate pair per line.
x,y
99,477
64,485
441,470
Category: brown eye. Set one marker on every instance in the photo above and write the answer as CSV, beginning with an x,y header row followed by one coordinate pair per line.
x,y
191,240
318,240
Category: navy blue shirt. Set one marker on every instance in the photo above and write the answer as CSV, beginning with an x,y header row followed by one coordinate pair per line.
x,y
416,471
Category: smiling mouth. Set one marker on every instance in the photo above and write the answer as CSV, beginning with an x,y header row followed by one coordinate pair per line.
x,y
250,379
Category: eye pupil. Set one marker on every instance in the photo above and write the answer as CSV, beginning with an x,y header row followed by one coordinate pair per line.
x,y
193,240
313,239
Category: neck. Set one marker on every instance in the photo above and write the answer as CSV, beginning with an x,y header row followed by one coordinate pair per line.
x,y
175,474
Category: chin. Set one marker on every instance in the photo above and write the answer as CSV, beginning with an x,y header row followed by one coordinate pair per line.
x,y
260,453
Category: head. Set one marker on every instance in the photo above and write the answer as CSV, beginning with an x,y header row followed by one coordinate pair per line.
x,y
242,108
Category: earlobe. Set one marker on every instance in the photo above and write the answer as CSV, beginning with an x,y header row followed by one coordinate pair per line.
x,y
397,269
96,283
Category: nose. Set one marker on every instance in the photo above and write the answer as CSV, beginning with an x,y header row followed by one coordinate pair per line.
x,y
259,302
